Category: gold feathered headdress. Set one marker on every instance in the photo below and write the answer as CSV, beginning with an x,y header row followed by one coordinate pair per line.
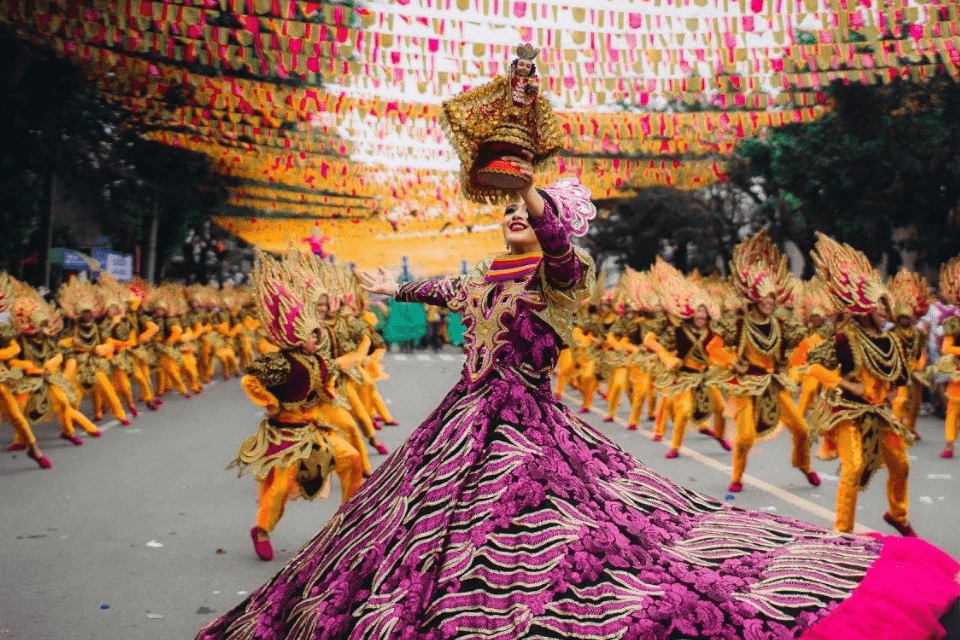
x,y
29,313
816,300
854,285
681,296
909,294
286,307
78,296
758,269
113,292
950,281
7,296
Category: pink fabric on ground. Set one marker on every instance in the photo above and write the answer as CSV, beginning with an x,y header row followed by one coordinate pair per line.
x,y
904,594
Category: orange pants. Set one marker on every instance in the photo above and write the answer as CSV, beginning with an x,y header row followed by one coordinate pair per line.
x,y
642,391
747,434
850,447
281,484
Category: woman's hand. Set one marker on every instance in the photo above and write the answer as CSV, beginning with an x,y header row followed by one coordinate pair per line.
x,y
383,281
531,197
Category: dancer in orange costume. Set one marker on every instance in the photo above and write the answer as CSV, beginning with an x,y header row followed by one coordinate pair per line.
x,y
817,311
11,378
642,313
759,341
861,367
687,381
910,297
120,328
618,351
44,388
372,369
294,451
949,363
91,351
166,341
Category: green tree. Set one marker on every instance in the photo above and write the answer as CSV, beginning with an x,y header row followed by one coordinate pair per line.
x,y
887,157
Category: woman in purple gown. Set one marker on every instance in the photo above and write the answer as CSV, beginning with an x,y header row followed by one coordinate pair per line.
x,y
505,516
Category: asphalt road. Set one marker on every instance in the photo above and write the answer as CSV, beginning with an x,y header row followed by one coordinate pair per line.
x,y
143,535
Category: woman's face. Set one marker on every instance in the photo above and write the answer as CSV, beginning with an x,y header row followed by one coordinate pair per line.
x,y
517,231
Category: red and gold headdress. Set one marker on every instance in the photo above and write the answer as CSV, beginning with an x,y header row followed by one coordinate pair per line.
x,y
909,294
639,290
285,306
950,281
29,313
759,269
78,296
854,285
679,295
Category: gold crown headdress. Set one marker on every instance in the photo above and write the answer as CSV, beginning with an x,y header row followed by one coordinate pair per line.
x,y
527,51
679,295
949,284
909,294
78,296
758,269
854,285
285,306
816,300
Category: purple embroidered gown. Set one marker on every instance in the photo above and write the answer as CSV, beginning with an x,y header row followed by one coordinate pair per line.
x,y
505,516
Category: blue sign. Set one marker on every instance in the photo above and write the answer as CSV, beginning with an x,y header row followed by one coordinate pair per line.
x,y
118,265
73,261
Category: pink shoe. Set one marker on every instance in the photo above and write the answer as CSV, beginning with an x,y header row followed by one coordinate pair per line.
x,y
812,478
657,437
16,447
261,544
187,395
584,410
673,453
632,426
153,406
391,423
735,487
74,439
724,444
158,401
708,432
381,449
43,461
903,528
96,434
377,426
125,422
557,397
134,412
608,419
946,454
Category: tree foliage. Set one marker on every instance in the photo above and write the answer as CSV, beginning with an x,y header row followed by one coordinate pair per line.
x,y
886,158
53,122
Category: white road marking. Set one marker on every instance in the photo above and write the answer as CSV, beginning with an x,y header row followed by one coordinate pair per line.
x,y
748,480
424,358
446,357
109,425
